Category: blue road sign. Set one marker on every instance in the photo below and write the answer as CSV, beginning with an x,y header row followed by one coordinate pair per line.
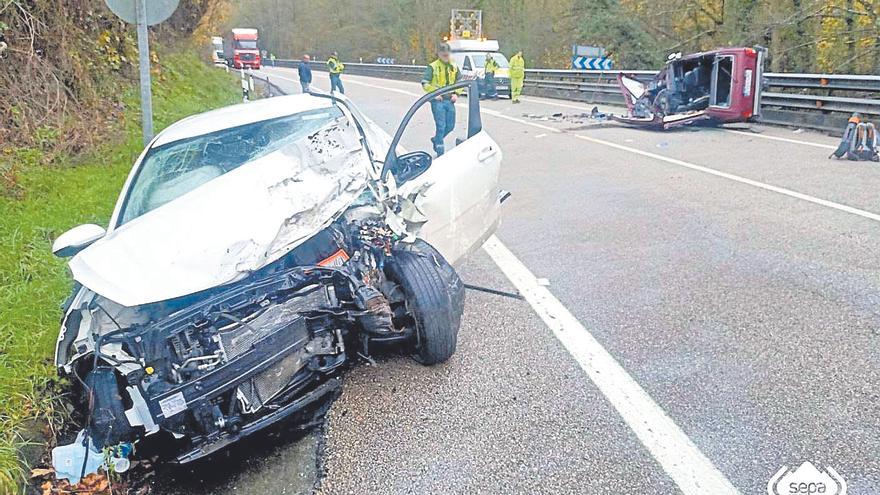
x,y
591,63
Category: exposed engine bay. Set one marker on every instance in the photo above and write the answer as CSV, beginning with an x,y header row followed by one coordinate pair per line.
x,y
213,367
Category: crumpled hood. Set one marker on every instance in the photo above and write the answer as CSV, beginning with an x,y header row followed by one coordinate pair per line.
x,y
228,227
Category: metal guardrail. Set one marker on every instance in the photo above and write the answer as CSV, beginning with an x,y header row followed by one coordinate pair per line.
x,y
816,101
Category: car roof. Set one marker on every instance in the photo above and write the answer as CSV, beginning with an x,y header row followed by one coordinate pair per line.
x,y
241,114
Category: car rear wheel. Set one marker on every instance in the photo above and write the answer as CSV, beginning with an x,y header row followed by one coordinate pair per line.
x,y
434,298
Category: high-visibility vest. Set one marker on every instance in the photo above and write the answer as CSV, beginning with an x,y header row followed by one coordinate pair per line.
x,y
336,67
442,74
517,67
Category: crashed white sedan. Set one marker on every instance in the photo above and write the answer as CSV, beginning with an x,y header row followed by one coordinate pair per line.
x,y
254,251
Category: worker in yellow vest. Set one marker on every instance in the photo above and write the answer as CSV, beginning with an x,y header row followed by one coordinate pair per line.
x,y
439,74
491,68
517,76
335,66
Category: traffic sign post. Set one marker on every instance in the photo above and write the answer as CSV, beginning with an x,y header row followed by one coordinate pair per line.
x,y
144,68
144,13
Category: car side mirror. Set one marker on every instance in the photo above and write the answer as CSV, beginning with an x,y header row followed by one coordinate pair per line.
x,y
77,239
410,165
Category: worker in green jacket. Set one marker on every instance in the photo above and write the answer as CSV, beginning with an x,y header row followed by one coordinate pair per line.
x,y
517,76
491,68
335,66
439,74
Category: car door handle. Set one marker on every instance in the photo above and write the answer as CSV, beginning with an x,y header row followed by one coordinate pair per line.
x,y
486,153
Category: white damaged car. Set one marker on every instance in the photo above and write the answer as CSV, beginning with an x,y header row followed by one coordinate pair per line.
x,y
255,250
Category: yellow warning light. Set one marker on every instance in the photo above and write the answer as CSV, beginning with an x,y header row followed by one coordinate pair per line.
x,y
149,370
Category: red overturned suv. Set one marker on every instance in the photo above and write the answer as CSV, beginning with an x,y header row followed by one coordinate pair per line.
x,y
718,86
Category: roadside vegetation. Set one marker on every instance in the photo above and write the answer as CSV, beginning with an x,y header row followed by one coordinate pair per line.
x,y
47,198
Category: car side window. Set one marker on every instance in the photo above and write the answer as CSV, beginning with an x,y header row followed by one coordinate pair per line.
x,y
434,125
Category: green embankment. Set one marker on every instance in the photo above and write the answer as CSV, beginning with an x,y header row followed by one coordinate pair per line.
x,y
33,283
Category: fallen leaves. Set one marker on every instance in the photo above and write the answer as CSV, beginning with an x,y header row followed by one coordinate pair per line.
x,y
92,484
41,472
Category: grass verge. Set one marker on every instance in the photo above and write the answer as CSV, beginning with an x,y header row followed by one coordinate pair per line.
x,y
48,201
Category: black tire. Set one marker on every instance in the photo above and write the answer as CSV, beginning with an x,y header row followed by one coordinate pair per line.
x,y
435,298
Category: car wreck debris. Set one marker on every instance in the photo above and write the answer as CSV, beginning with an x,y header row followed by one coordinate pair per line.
x,y
204,369
718,87
72,462
254,253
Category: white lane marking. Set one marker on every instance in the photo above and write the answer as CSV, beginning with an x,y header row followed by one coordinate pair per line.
x,y
539,136
767,187
784,140
689,468
673,161
386,88
555,104
282,77
732,131
500,115
780,190
274,73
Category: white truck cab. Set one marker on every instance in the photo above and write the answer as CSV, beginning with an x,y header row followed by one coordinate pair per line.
x,y
470,57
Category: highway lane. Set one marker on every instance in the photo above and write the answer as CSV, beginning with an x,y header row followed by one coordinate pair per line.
x,y
748,315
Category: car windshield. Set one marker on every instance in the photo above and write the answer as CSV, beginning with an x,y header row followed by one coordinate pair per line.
x,y
246,44
500,59
174,169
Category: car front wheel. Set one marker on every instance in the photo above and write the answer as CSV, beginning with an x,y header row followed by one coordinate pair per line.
x,y
434,299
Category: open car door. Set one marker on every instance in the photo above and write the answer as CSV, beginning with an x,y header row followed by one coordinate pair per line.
x,y
458,192
737,81
639,107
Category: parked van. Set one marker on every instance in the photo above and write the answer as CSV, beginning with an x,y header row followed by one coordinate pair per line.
x,y
470,57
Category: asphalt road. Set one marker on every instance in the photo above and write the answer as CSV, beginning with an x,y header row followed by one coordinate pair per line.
x,y
732,276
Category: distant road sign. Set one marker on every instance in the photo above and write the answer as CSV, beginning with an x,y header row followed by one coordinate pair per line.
x,y
157,10
587,51
591,63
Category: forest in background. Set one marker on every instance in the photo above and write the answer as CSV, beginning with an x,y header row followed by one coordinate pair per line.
x,y
838,36
65,59
65,63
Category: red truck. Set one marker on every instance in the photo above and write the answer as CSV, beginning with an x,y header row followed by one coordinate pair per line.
x,y
240,48
717,86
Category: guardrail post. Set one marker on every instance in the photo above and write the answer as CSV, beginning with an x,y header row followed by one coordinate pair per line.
x,y
245,88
